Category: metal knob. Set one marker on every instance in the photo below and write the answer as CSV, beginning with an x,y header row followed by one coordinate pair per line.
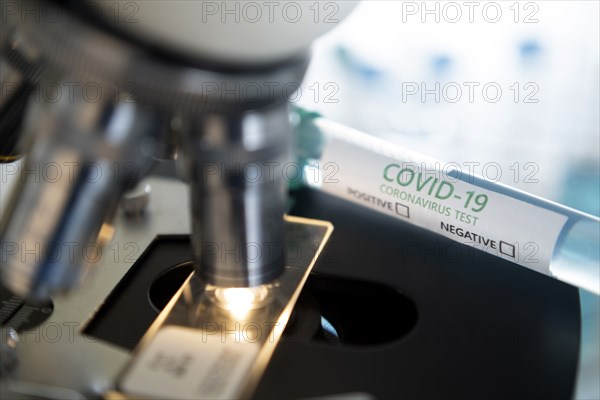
x,y
135,201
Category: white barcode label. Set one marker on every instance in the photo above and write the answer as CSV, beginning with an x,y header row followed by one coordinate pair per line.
x,y
185,363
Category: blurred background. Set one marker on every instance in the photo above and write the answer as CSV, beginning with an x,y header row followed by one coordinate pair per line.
x,y
507,90
517,99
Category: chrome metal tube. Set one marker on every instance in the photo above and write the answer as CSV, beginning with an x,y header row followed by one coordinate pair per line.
x,y
236,162
83,156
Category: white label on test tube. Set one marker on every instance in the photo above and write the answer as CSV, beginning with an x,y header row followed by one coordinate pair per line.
x,y
419,190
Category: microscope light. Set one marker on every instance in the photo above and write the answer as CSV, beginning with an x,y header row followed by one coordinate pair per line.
x,y
239,301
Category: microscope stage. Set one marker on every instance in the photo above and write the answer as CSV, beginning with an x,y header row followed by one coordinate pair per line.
x,y
389,311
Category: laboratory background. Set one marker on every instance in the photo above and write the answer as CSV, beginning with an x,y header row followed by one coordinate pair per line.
x,y
509,91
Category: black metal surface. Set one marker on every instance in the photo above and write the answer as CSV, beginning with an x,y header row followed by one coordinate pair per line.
x,y
339,311
486,328
11,119
482,328
128,312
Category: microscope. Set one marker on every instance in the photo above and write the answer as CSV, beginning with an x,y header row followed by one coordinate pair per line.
x,y
199,286
214,77
151,80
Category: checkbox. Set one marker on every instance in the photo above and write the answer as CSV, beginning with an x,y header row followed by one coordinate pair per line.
x,y
507,249
402,210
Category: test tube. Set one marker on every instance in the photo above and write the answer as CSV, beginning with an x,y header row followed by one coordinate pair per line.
x,y
527,230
